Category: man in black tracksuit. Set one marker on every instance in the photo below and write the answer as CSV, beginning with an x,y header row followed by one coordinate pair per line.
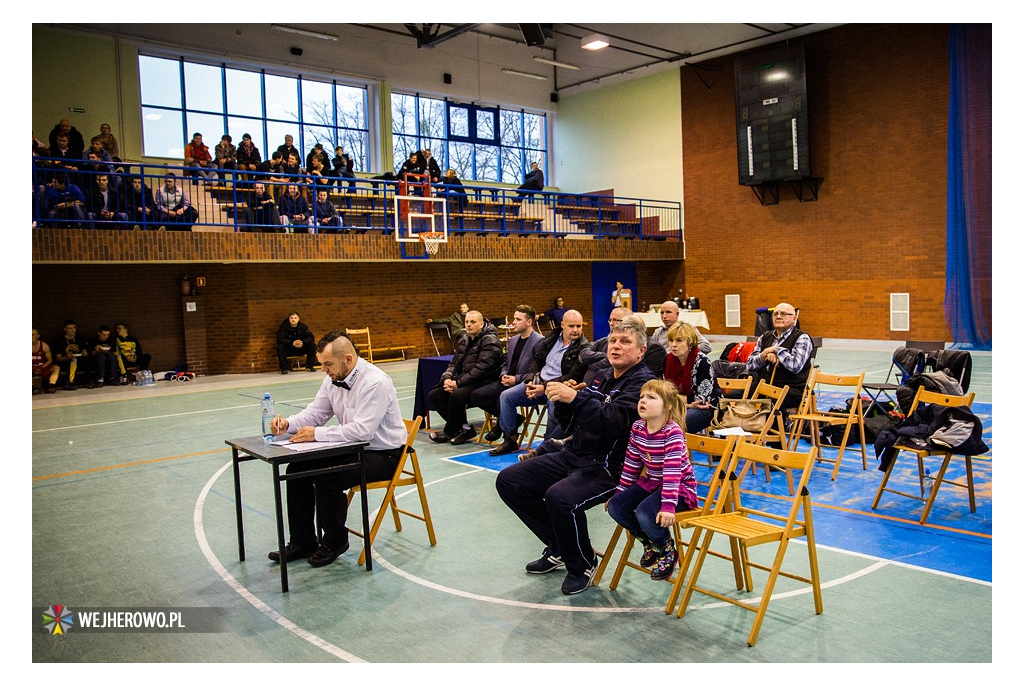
x,y
294,339
550,493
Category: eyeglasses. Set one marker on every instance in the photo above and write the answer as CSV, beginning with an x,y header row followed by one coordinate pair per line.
x,y
614,321
780,315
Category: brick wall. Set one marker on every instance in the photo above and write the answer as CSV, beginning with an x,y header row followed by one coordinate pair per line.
x,y
877,103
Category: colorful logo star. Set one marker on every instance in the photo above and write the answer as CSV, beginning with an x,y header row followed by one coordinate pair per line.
x,y
58,619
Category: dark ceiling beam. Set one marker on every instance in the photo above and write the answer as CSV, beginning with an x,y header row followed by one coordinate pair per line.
x,y
429,36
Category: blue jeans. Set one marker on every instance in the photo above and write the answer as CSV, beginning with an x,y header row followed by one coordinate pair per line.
x,y
510,401
636,510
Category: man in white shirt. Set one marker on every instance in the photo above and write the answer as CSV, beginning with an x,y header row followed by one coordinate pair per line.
x,y
363,399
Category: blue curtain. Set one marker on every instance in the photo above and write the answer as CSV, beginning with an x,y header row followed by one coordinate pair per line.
x,y
969,191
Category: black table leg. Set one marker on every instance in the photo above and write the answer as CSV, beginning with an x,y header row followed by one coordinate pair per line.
x,y
238,505
280,528
366,512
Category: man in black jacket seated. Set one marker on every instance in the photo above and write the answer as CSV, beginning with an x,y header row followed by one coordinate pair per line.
x,y
551,492
476,362
293,339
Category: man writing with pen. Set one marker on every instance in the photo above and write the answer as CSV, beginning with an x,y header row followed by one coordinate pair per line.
x,y
364,401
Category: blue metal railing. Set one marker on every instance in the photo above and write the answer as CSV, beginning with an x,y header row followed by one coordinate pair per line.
x,y
65,197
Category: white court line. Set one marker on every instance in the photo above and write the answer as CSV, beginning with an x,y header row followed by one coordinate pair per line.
x,y
168,416
276,617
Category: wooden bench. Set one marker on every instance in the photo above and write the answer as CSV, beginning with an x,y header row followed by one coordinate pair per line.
x,y
361,339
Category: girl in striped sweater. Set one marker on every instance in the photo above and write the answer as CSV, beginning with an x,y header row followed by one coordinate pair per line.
x,y
657,477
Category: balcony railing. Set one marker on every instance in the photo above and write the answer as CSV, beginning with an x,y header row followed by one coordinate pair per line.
x,y
68,198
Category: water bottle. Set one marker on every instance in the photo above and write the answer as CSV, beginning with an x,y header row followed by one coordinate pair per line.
x,y
929,482
268,416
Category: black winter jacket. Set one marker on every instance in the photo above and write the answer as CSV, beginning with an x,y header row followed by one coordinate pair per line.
x,y
572,367
476,360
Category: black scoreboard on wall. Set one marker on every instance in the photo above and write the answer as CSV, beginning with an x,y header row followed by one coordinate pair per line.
x,y
771,116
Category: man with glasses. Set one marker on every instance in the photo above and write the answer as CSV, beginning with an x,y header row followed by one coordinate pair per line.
x,y
782,356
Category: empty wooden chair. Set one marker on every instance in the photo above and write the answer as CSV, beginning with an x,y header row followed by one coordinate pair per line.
x,y
813,418
750,527
406,473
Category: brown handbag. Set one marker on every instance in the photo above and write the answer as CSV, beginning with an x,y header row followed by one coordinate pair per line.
x,y
750,415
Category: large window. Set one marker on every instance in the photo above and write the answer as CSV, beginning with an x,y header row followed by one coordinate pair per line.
x,y
180,98
480,143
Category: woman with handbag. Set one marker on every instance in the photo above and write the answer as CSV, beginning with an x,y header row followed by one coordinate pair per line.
x,y
689,369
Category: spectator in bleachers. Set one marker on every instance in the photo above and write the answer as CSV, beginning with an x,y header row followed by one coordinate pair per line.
x,y
669,317
294,339
292,167
413,165
263,214
430,166
451,187
225,155
533,182
690,371
782,356
248,155
109,142
319,174
277,180
75,144
324,213
343,167
139,203
287,148
293,208
557,359
65,157
476,362
64,203
197,156
96,146
106,208
318,151
173,207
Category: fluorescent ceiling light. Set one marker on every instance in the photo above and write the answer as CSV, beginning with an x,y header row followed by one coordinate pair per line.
x,y
539,77
563,65
594,41
304,32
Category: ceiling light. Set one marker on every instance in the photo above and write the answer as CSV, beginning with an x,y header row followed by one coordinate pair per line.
x,y
563,65
594,41
304,32
526,74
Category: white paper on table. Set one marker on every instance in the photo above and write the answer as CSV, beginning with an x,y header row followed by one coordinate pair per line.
x,y
735,430
302,446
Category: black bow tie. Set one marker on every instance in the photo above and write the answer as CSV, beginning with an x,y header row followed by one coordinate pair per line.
x,y
342,384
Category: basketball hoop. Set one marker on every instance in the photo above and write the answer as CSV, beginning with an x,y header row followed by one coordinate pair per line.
x,y
431,241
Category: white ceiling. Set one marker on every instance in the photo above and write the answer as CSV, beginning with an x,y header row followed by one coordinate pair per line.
x,y
364,49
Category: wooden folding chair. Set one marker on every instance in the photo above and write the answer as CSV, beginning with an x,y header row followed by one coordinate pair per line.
x,y
928,397
813,418
489,423
774,431
721,447
407,473
533,419
735,384
750,527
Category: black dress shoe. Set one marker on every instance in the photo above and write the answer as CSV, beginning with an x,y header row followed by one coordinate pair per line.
x,y
292,552
493,434
507,447
464,436
440,436
325,555
284,371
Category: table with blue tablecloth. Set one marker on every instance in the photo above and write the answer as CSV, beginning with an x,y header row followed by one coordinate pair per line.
x,y
428,375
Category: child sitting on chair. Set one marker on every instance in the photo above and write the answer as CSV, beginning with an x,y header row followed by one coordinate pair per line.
x,y
645,503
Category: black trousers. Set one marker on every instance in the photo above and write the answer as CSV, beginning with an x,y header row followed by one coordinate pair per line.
x,y
452,406
325,496
551,494
285,351
486,397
